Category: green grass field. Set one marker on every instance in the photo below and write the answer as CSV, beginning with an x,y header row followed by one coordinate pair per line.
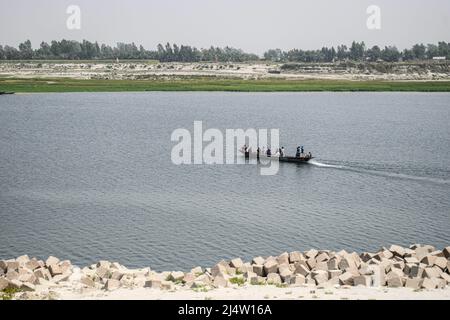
x,y
211,84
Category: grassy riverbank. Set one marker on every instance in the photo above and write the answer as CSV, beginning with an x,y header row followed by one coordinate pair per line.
x,y
211,84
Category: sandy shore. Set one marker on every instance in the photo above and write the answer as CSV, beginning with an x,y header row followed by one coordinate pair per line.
x,y
250,292
254,71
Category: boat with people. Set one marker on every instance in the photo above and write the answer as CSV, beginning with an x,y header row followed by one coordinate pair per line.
x,y
266,153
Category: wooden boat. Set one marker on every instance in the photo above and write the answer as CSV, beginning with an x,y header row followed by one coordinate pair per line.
x,y
302,159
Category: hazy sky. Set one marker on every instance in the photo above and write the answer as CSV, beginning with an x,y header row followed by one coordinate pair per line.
x,y
253,25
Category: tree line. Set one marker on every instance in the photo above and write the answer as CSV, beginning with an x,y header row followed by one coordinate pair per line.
x,y
359,52
86,50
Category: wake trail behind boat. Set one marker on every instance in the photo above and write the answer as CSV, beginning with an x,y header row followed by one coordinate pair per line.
x,y
385,174
323,165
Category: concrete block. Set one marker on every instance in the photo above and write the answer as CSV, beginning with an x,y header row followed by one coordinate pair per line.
x,y
271,266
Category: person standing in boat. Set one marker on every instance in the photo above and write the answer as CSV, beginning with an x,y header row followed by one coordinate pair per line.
x,y
302,150
282,151
297,155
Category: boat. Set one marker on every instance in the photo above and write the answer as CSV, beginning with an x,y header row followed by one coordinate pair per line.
x,y
304,158
4,92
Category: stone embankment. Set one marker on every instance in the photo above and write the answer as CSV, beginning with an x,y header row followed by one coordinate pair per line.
x,y
417,267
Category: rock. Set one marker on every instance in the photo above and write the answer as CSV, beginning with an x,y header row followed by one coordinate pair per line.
x,y
3,265
411,260
176,276
23,259
295,256
32,264
44,283
197,271
320,276
251,277
271,266
42,273
65,266
285,273
258,260
166,285
103,272
429,283
347,263
258,269
441,262
236,263
117,275
397,250
366,256
429,260
387,254
446,277
112,284
12,275
55,270
4,283
362,280
62,277
87,281
311,253
300,268
15,284
283,258
220,282
273,278
416,272
322,257
153,283
219,269
397,271
28,277
12,266
51,261
365,270
421,252
27,286
333,264
446,252
394,280
441,283
103,264
334,273
323,265
431,273
297,280
311,262
346,278
414,283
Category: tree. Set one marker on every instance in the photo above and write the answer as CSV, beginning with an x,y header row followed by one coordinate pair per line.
x,y
374,53
419,51
390,54
11,53
26,51
432,51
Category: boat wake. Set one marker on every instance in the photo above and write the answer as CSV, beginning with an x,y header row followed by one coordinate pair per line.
x,y
385,174
323,165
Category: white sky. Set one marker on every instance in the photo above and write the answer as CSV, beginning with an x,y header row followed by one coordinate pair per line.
x,y
253,25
